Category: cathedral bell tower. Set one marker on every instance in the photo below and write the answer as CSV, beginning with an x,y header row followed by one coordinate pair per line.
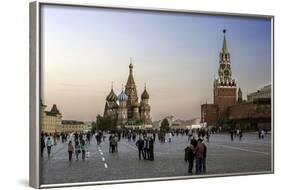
x,y
225,86
131,92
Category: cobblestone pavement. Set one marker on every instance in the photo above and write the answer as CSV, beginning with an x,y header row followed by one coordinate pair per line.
x,y
223,156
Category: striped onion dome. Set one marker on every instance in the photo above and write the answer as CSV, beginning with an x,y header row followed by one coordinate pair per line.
x,y
122,97
111,96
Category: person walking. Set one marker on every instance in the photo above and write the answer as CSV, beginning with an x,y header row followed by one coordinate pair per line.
x,y
199,151
77,150
49,146
140,145
83,148
189,157
70,151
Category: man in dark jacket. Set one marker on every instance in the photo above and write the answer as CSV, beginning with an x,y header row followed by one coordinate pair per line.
x,y
145,148
199,151
140,144
193,142
151,148
189,157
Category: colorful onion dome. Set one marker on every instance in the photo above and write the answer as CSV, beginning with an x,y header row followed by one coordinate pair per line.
x,y
111,96
122,96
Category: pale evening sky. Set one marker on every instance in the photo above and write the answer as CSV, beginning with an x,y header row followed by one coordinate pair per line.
x,y
176,55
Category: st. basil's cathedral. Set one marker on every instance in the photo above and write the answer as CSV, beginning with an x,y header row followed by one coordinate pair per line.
x,y
125,109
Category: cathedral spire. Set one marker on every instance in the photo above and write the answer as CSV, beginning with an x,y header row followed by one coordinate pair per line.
x,y
224,45
130,88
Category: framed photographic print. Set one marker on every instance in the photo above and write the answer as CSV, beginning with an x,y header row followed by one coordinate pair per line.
x,y
130,94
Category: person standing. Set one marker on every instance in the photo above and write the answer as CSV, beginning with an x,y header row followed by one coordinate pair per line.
x,y
88,136
154,135
262,133
77,150
113,143
189,134
151,148
145,149
170,137
204,156
199,151
110,143
231,134
42,144
189,157
194,142
70,151
83,148
208,135
116,139
140,145
49,146
240,135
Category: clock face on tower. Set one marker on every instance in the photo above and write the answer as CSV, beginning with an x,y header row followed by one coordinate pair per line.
x,y
226,72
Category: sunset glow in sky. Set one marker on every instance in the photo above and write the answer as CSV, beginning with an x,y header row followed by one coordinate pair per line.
x,y
175,54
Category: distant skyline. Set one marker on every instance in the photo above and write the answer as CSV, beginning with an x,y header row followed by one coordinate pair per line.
x,y
175,54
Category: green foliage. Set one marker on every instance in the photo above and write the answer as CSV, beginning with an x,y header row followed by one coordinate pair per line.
x,y
105,124
94,126
165,125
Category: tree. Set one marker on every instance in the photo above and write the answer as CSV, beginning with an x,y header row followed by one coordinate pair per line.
x,y
165,126
93,127
105,124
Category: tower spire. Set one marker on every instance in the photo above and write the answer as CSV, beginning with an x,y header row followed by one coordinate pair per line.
x,y
224,45
111,85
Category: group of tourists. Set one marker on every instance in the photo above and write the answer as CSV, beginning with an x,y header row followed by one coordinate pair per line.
x,y
145,147
236,133
113,143
197,150
49,143
80,147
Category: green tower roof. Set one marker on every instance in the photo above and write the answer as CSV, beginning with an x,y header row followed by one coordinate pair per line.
x,y
224,46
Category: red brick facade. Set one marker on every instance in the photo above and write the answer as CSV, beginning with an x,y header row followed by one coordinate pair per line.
x,y
254,115
209,114
223,98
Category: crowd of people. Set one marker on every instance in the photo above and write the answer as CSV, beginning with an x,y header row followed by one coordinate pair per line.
x,y
146,147
80,146
236,133
195,151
